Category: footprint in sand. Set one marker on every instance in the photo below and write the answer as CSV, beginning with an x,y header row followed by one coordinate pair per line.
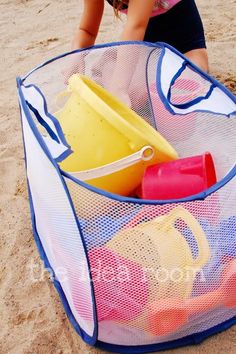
x,y
229,82
43,43
29,316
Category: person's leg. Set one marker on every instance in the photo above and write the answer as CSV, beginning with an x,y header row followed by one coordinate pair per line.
x,y
182,28
199,57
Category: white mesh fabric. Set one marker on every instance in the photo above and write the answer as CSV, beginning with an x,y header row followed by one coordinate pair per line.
x,y
101,223
56,146
99,64
58,231
195,132
215,102
136,310
190,134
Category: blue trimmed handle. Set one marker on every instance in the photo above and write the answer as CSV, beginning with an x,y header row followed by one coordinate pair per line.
x,y
55,140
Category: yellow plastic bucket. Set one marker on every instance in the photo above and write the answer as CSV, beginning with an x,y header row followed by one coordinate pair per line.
x,y
101,130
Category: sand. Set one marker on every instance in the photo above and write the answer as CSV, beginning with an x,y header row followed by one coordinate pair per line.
x,y
32,318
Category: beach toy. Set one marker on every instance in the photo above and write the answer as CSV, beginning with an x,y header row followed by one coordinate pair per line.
x,y
101,130
157,236
121,289
120,285
160,248
222,242
208,211
169,315
145,154
184,90
226,236
178,179
100,229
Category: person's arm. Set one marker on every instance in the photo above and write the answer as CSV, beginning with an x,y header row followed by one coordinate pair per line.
x,y
84,36
87,31
139,12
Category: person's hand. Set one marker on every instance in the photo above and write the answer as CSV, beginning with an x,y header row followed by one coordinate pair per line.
x,y
74,64
103,65
121,94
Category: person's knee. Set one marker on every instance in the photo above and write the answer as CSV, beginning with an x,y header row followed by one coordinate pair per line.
x,y
199,57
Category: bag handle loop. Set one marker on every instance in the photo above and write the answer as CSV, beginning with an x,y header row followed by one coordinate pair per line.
x,y
55,140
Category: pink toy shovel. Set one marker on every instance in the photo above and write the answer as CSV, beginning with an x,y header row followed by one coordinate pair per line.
x,y
166,316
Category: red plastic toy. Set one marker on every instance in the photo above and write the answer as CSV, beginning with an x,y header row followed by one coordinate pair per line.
x,y
178,179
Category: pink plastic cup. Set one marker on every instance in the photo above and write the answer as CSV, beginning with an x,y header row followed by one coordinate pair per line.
x,y
176,127
178,179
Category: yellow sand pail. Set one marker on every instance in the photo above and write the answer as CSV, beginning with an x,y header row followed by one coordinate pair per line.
x,y
101,130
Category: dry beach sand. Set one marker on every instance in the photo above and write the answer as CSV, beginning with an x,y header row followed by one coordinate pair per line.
x,y
32,320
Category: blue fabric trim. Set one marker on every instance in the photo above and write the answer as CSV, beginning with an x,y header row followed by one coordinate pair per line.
x,y
196,338
43,123
158,84
201,72
153,120
47,127
63,156
192,102
179,72
214,84
97,46
193,339
199,196
142,349
89,340
195,101
44,147
148,44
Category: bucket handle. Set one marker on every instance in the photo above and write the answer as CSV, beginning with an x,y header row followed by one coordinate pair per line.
x,y
144,154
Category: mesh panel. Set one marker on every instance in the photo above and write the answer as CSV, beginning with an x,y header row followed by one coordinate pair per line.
x,y
160,272
120,228
99,65
190,134
58,232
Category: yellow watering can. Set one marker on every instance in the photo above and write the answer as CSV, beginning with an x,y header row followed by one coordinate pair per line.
x,y
163,251
101,130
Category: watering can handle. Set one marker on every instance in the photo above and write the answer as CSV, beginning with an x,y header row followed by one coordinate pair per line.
x,y
55,140
198,233
144,154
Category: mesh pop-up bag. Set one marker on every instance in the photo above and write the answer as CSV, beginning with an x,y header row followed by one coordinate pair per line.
x,y
138,275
